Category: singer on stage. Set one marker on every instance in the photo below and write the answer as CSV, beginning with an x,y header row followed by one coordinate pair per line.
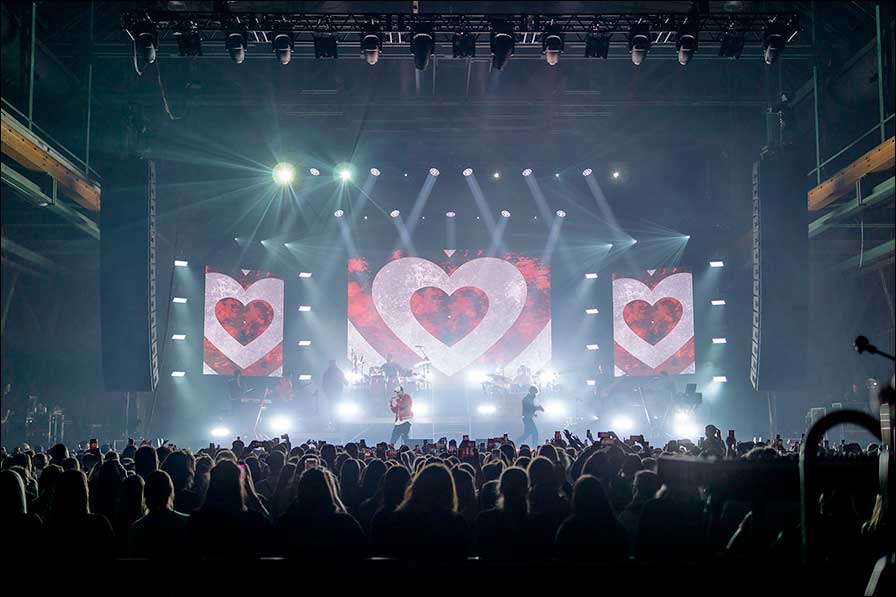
x,y
401,404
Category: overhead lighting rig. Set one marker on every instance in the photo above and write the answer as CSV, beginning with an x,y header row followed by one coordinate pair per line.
x,y
767,34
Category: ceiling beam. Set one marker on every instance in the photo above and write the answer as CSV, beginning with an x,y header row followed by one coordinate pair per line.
x,y
880,158
875,256
34,195
878,196
13,248
26,148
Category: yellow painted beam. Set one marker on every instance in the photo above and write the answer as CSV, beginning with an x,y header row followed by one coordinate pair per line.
x,y
30,151
843,182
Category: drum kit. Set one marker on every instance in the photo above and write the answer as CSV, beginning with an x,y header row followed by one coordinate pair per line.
x,y
379,381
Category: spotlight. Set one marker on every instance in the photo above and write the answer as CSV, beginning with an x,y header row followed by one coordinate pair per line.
x,y
720,341
326,45
371,45
421,409
467,171
732,44
236,46
450,214
282,47
502,43
305,274
304,342
683,425
305,377
314,171
219,432
178,336
773,42
178,373
560,213
591,311
283,173
180,300
719,379
394,213
639,42
556,175
597,46
347,410
146,40
189,40
306,308
433,171
496,175
344,174
477,377
592,346
552,44
717,263
505,213
622,423
591,276
555,410
546,377
591,382
353,376
375,171
527,172
180,263
281,425
686,43
463,45
718,302
487,409
616,174
422,46
586,172
338,213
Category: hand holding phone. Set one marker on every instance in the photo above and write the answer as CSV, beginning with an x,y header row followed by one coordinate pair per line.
x,y
310,463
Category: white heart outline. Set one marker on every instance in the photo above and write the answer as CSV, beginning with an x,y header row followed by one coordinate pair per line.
x,y
397,281
626,290
220,286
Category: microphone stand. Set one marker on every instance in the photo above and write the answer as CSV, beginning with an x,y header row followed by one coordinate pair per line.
x,y
863,345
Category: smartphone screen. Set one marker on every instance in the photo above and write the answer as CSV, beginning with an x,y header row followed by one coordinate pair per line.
x,y
94,444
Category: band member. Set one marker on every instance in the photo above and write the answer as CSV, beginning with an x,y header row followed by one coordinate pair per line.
x,y
391,369
530,410
285,389
238,390
401,404
332,383
523,377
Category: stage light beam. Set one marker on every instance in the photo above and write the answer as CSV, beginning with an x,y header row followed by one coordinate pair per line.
x,y
283,173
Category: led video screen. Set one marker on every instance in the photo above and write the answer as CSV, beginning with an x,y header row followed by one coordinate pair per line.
x,y
463,310
243,323
653,322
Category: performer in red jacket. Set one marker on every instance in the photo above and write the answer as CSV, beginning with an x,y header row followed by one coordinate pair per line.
x,y
401,404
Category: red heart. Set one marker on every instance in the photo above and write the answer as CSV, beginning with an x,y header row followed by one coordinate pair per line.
x,y
653,322
449,317
244,322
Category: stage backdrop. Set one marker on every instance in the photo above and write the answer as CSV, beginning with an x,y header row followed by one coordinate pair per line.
x,y
243,323
462,309
653,322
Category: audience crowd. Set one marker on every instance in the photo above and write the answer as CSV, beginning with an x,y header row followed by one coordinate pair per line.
x,y
568,499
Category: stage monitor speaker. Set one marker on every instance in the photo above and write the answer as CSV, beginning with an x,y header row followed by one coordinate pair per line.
x,y
128,278
780,323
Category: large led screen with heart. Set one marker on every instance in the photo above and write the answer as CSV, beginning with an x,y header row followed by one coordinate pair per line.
x,y
653,322
243,323
463,310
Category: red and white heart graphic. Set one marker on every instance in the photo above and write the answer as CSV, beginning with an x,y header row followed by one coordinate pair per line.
x,y
653,323
449,317
399,281
243,324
